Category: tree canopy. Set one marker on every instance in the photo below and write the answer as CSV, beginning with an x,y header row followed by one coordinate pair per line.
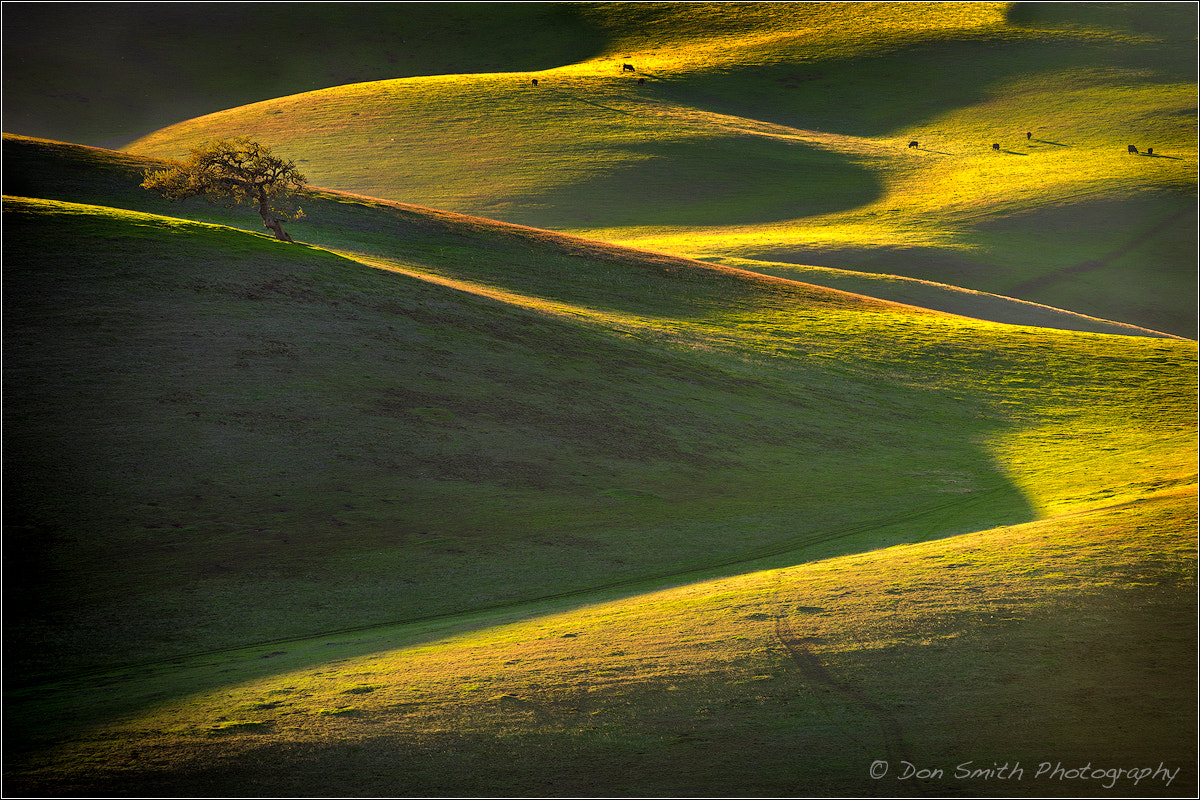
x,y
237,172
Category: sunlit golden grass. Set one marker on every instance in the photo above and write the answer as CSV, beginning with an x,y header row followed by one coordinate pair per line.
x,y
400,139
515,440
933,195
963,643
777,132
667,39
434,505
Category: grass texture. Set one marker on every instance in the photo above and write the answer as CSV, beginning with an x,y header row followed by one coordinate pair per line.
x,y
779,133
449,503
1009,646
268,502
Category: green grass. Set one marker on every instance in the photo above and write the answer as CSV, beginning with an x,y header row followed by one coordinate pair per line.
x,y
220,392
778,134
431,504
68,172
1007,645
237,460
104,75
940,297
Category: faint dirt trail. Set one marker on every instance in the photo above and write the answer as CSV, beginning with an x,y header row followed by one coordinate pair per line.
x,y
814,670
729,124
1043,281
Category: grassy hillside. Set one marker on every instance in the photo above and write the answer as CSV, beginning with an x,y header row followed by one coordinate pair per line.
x,y
274,420
1044,647
778,133
258,495
56,170
105,74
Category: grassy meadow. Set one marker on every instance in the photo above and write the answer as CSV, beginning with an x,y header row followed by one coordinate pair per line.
x,y
105,74
1010,646
779,133
237,453
687,438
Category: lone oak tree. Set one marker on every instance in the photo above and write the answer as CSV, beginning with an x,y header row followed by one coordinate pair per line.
x,y
237,171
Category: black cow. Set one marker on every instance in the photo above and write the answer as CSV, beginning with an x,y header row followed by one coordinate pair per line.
x,y
995,147
641,81
627,68
913,144
535,81
1029,136
1149,151
1132,150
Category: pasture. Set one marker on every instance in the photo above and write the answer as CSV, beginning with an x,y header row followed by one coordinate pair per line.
x,y
780,134
667,431
234,450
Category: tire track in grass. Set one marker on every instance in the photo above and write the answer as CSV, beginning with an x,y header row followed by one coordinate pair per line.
x,y
815,671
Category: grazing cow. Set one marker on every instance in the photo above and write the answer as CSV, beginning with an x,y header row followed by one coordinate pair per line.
x,y
1149,151
913,144
641,81
995,147
627,68
1132,150
535,81
1028,135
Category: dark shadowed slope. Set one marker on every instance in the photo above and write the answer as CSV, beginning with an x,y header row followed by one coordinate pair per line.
x,y
283,474
107,73
55,170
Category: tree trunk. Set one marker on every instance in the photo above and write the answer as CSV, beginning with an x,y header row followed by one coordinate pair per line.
x,y
274,225
269,220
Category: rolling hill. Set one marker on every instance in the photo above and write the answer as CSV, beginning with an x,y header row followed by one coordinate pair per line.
x,y
106,74
674,430
998,663
777,134
436,504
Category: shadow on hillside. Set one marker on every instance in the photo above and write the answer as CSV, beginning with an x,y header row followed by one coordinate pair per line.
x,y
938,297
111,693
541,266
1152,237
276,417
1164,232
922,263
103,73
1174,22
890,94
728,180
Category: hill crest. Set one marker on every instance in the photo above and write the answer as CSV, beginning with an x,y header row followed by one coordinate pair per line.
x,y
794,149
56,170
